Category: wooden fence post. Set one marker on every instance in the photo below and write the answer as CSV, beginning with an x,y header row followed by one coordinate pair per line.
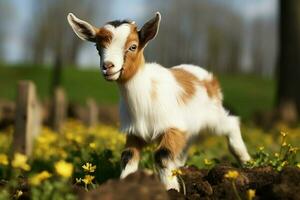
x,y
59,109
27,119
91,112
1,113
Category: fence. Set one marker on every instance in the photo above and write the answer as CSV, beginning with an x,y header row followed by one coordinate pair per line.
x,y
29,115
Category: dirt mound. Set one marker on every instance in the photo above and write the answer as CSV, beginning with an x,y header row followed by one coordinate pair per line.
x,y
268,184
136,186
287,185
204,184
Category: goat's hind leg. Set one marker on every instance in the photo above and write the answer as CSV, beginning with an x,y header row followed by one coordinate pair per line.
x,y
229,125
235,141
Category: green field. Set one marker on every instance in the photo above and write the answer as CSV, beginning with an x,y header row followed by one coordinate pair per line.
x,y
244,94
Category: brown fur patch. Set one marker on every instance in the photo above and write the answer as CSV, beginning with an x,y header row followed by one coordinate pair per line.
x,y
174,140
103,37
132,60
188,82
135,144
213,88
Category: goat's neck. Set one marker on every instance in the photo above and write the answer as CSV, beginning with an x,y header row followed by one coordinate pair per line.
x,y
131,68
139,82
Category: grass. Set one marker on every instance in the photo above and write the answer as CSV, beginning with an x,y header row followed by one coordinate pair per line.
x,y
79,84
243,94
246,94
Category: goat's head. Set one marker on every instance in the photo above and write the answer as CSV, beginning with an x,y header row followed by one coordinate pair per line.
x,y
119,43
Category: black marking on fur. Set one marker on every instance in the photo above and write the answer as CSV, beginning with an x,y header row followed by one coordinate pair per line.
x,y
126,157
117,23
161,155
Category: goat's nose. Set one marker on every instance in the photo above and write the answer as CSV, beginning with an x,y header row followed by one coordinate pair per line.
x,y
108,65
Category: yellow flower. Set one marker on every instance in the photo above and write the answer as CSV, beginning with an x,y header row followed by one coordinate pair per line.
x,y
298,165
284,163
176,172
284,144
250,194
88,179
261,148
78,139
20,161
64,168
88,167
3,159
78,180
69,135
207,162
92,145
283,134
231,174
18,194
293,149
38,178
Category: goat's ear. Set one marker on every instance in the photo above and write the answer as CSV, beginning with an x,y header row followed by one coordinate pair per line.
x,y
83,29
149,30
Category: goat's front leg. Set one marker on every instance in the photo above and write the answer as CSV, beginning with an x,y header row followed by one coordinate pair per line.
x,y
168,156
131,155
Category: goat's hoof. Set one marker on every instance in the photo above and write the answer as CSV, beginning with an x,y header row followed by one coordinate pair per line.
x,y
173,184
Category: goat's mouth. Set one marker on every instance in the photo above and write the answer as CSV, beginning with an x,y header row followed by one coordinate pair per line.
x,y
112,76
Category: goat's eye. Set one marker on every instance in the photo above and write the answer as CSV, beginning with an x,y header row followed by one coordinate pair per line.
x,y
132,47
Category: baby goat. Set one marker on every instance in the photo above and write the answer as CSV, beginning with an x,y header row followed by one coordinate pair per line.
x,y
168,106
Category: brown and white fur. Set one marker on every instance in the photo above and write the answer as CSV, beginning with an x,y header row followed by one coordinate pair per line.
x,y
168,106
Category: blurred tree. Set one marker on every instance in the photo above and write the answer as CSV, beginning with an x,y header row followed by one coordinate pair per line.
x,y
257,50
51,38
214,47
233,42
205,33
5,13
288,93
263,45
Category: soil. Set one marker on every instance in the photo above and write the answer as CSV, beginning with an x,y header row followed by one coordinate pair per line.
x,y
137,186
268,183
205,184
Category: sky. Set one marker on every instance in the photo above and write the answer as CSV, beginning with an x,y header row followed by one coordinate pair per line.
x,y
255,8
15,48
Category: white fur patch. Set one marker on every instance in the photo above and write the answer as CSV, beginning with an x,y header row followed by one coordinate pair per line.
x,y
130,168
114,52
166,176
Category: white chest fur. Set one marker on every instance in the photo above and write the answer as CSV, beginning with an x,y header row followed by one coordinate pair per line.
x,y
147,103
